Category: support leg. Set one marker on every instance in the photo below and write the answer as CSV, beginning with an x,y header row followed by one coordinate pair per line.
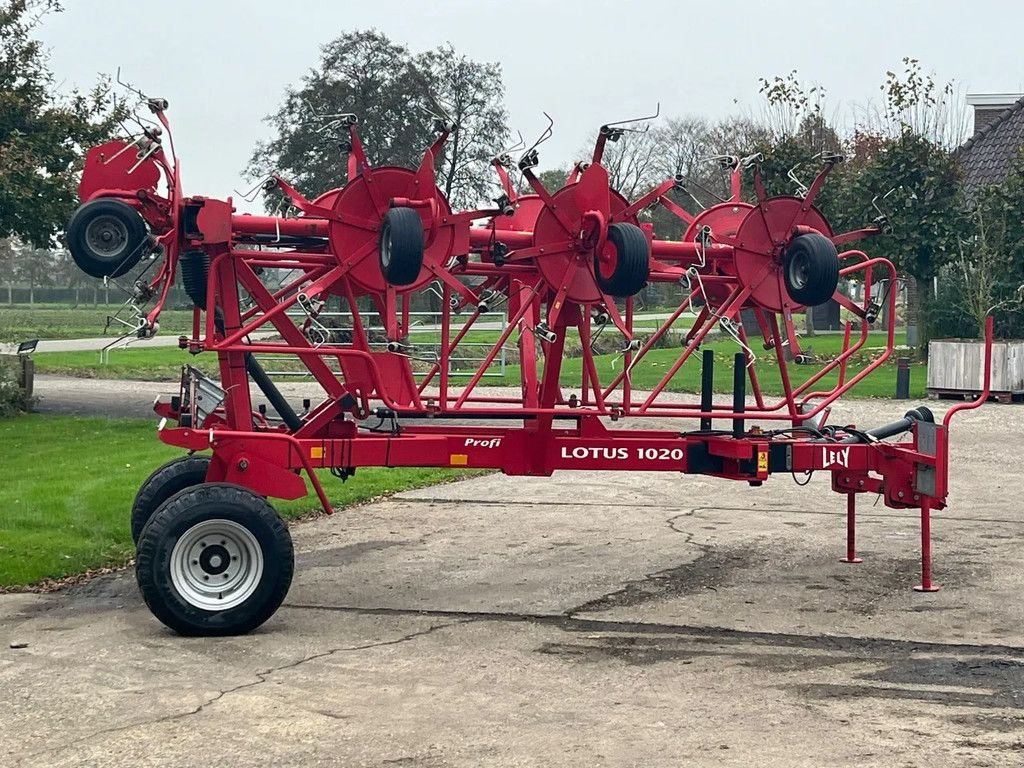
x,y
851,530
926,548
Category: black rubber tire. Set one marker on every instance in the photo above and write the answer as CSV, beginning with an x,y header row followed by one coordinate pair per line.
x,y
106,218
810,269
921,413
401,246
632,263
183,511
176,475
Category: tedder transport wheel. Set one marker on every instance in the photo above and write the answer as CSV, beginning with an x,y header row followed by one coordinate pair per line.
x,y
811,269
176,475
215,559
401,246
106,237
622,269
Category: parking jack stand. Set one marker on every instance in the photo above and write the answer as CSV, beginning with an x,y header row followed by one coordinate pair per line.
x,y
851,530
926,584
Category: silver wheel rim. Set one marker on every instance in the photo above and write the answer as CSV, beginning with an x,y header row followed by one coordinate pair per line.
x,y
216,565
799,271
107,236
385,247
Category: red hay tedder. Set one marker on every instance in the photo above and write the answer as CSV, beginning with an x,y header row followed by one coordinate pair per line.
x,y
213,555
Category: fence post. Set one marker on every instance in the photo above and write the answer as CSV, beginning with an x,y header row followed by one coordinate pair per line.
x,y
903,378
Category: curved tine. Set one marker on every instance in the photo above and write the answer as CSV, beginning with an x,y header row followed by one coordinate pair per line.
x,y
876,198
656,115
751,160
281,212
545,134
129,86
131,134
265,184
313,111
801,188
882,220
731,327
309,107
444,119
726,161
333,119
703,189
507,152
149,127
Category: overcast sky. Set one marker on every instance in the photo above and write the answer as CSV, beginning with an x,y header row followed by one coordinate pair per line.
x,y
224,64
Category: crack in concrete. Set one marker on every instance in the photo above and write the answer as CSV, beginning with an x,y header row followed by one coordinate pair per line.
x,y
262,677
670,581
569,622
862,511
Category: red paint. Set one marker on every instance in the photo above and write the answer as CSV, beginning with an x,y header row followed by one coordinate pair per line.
x,y
541,262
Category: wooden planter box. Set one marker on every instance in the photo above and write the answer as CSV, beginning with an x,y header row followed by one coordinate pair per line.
x,y
955,368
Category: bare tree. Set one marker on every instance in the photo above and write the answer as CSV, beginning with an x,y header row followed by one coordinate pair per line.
x,y
472,95
633,163
394,94
986,266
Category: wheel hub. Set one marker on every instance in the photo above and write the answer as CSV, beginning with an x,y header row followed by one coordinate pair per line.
x,y
799,271
216,565
214,559
107,236
763,236
567,258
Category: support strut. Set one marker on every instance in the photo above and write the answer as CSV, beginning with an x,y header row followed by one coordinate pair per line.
x,y
926,584
707,383
851,530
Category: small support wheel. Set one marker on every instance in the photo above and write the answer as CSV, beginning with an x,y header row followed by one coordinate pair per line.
x,y
215,559
176,475
623,265
811,269
106,237
401,246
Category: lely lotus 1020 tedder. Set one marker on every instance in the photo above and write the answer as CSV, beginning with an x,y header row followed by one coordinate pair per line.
x,y
553,264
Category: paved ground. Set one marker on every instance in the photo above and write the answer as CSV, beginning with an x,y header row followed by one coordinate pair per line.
x,y
587,619
171,340
129,399
85,345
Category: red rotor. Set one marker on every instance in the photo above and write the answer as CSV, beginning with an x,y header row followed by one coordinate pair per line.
x,y
361,205
762,239
568,259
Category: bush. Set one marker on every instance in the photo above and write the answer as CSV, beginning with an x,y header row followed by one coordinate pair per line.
x,y
12,397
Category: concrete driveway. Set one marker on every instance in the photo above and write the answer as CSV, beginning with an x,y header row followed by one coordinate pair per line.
x,y
582,620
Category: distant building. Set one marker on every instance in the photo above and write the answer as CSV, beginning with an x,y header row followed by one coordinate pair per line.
x,y
986,157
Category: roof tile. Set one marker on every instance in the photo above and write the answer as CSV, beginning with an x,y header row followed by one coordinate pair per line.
x,y
987,156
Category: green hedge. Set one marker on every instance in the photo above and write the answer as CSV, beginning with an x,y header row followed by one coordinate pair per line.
x,y
13,399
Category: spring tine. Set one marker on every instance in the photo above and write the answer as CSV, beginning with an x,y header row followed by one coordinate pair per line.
x,y
545,134
260,186
801,188
730,327
655,116
151,150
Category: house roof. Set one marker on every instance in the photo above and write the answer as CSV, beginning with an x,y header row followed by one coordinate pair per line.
x,y
987,156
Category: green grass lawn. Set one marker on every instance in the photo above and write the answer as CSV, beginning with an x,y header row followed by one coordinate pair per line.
x,y
20,322
649,371
140,363
68,485
164,364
